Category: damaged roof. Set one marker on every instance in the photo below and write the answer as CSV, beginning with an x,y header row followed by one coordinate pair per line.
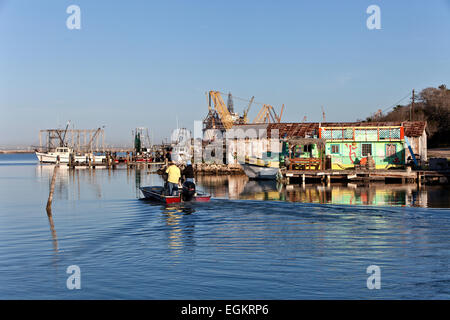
x,y
414,128
311,129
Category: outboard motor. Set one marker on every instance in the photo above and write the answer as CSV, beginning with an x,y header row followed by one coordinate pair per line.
x,y
188,191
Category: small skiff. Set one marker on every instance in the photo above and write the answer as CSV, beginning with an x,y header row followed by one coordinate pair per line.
x,y
156,193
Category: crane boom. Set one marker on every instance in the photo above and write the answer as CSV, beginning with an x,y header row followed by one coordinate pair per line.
x,y
218,109
267,114
221,108
281,114
248,109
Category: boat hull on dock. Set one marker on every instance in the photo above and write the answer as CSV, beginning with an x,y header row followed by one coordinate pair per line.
x,y
259,172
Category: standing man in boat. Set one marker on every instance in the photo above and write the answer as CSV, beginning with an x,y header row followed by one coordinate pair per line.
x,y
168,156
173,177
188,172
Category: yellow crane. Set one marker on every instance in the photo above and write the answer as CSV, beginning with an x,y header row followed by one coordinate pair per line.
x,y
267,114
247,110
219,106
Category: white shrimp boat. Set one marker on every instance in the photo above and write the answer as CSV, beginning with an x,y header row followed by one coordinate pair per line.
x,y
52,157
63,154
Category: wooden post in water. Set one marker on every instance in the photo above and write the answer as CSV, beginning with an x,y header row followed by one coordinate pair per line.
x,y
52,189
49,207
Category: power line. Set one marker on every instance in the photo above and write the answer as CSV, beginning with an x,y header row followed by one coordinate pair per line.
x,y
243,99
396,104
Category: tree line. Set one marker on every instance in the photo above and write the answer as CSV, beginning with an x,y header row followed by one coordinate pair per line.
x,y
431,105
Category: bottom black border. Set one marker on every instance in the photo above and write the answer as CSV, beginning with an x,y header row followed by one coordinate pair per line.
x,y
237,309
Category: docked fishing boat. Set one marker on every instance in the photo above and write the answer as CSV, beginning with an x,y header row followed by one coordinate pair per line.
x,y
63,154
187,193
52,157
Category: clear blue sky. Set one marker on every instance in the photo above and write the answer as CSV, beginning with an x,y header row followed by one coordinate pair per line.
x,y
142,63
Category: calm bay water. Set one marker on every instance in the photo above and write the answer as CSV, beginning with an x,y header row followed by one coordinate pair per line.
x,y
252,241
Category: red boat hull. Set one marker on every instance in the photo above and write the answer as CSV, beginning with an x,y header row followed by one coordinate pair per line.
x,y
202,198
156,193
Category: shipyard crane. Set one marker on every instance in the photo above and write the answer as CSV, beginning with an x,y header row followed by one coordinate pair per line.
x,y
281,114
267,114
219,111
264,115
248,109
219,106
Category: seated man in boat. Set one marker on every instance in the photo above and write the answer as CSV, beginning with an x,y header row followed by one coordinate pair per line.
x,y
188,172
173,177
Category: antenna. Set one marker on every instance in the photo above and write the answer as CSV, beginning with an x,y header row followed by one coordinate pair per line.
x,y
323,114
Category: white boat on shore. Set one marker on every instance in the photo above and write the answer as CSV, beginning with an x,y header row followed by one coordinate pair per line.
x,y
254,171
63,154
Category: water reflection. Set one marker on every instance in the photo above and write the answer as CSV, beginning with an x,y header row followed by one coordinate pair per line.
x,y
374,194
71,183
53,231
49,209
180,225
289,250
223,186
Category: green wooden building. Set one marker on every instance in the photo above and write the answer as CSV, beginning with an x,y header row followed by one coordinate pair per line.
x,y
337,146
349,145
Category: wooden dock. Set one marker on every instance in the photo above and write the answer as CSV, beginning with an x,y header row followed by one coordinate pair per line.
x,y
298,176
327,176
114,165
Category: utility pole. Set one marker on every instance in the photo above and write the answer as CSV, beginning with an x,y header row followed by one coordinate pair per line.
x,y
412,107
323,114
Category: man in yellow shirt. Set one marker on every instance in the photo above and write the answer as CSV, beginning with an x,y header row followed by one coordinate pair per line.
x,y
173,177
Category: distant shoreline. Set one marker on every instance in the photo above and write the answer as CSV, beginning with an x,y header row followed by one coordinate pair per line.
x,y
15,151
